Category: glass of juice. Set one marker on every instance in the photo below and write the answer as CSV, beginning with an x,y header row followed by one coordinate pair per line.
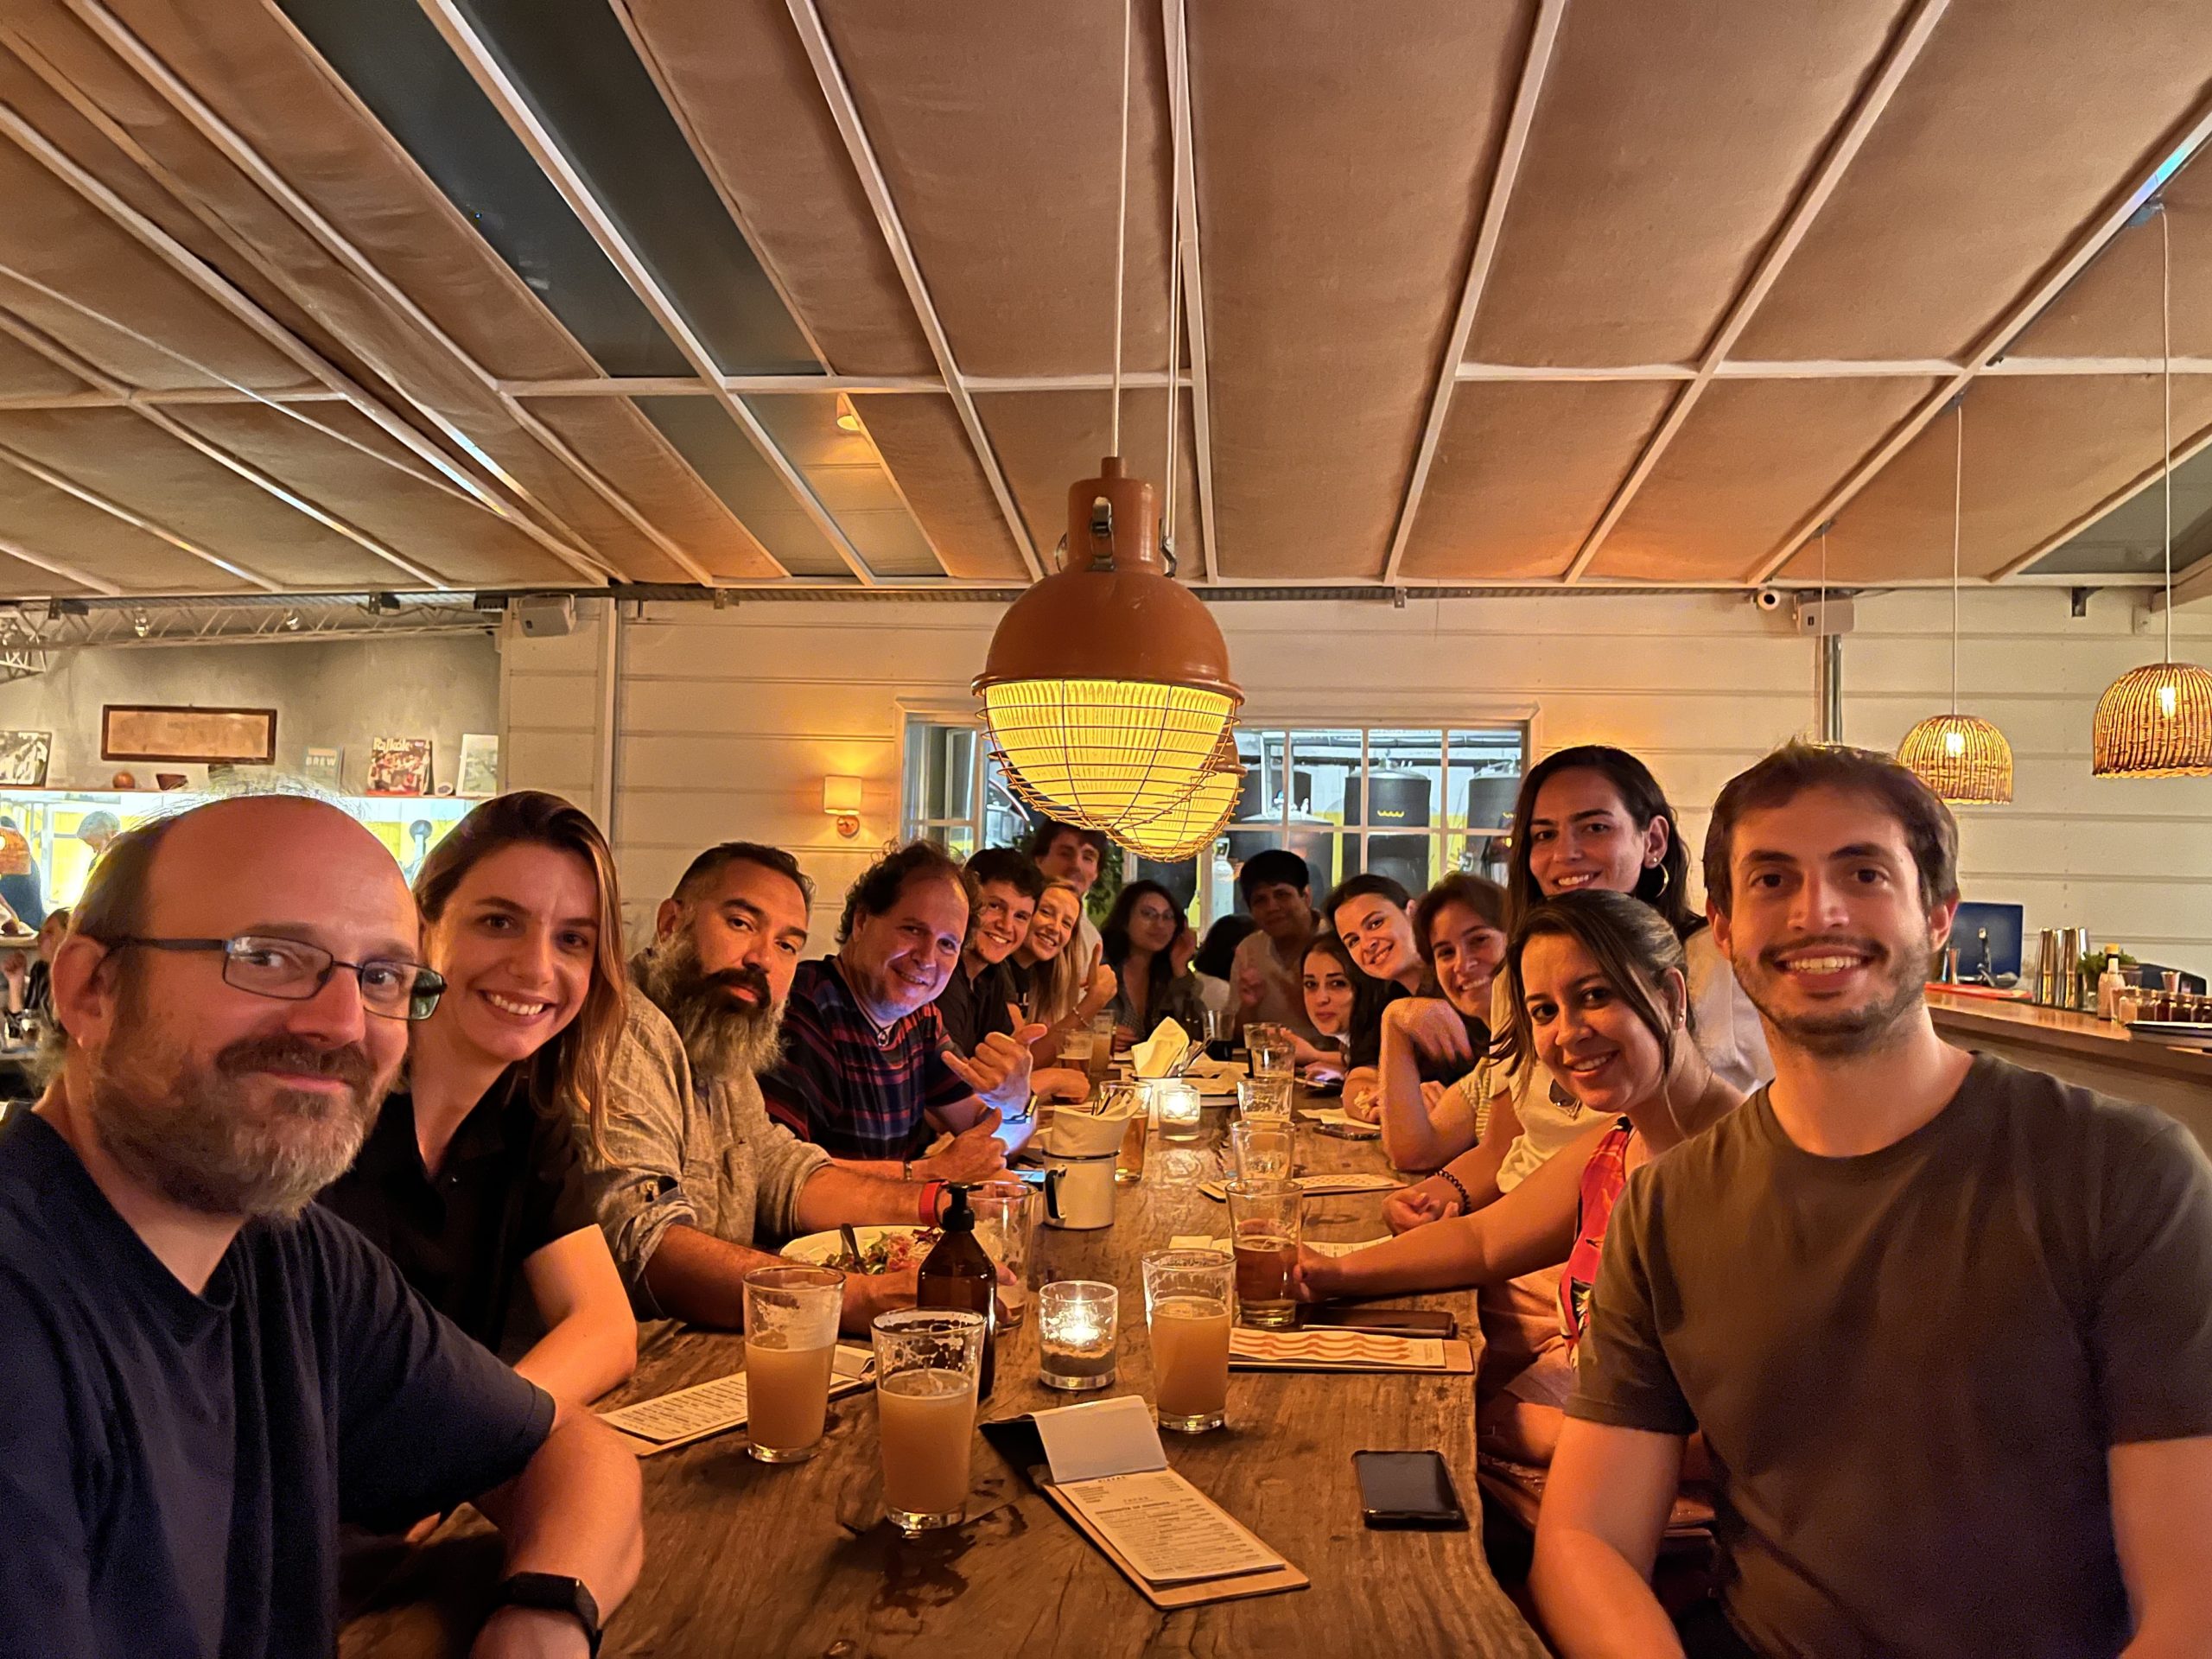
x,y
1187,1295
927,1362
1266,1148
1264,1221
790,1341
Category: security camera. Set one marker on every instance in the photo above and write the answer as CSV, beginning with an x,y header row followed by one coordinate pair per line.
x,y
1768,599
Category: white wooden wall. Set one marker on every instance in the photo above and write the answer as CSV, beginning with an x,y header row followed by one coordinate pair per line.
x,y
727,721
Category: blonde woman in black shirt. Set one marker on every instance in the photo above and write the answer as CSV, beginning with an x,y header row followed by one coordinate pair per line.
x,y
469,1181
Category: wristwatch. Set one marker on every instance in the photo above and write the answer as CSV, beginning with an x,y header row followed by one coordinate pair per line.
x,y
552,1592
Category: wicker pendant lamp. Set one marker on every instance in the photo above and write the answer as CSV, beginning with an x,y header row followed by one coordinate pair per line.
x,y
1962,758
1106,691
2155,720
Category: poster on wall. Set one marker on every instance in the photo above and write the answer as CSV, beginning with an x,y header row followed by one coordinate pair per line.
x,y
323,767
480,765
399,765
24,757
150,732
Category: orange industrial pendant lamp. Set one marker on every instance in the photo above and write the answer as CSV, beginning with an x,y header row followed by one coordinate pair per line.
x,y
1107,692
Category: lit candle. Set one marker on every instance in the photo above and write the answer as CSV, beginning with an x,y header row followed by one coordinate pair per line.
x,y
1075,1321
1178,1107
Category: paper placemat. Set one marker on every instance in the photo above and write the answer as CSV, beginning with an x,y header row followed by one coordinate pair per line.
x,y
1266,1580
676,1419
1317,1186
1334,1350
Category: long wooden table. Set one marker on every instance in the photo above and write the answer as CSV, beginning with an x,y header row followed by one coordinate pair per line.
x,y
746,1557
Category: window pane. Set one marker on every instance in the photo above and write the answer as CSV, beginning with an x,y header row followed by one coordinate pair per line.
x,y
957,839
1405,781
1484,778
1261,799
1179,876
940,770
1411,860
1006,823
1324,776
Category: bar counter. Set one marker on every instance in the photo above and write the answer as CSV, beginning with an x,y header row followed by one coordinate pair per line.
x,y
2100,1054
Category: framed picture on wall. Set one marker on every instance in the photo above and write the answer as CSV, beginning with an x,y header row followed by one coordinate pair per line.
x,y
132,731
399,765
23,756
480,765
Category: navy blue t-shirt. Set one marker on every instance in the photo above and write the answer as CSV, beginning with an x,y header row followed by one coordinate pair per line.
x,y
174,1467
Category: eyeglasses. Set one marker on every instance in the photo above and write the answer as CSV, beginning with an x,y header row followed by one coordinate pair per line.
x,y
293,970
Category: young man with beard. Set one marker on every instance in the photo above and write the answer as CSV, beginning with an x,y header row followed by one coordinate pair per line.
x,y
1946,1324
203,1374
866,1073
691,1170
980,995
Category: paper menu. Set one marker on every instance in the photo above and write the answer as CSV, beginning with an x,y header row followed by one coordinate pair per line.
x,y
710,1407
1366,1350
1168,1530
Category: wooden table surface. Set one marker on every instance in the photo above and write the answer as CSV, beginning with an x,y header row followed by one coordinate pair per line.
x,y
797,1560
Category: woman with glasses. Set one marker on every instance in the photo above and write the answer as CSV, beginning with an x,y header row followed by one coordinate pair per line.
x,y
470,1180
1148,944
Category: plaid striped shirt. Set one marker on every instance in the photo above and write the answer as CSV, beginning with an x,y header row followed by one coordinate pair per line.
x,y
853,1088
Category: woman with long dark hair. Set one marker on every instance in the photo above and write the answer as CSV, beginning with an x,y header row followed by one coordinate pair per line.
x,y
1148,944
1459,926
469,1181
1337,997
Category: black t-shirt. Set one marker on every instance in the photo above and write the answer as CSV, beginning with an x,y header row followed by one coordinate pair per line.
x,y
174,1467
510,1185
973,1008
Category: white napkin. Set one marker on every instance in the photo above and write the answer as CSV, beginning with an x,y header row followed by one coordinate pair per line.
x,y
1160,1053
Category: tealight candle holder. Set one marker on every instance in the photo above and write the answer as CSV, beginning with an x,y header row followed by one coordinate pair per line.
x,y
1176,1107
1076,1323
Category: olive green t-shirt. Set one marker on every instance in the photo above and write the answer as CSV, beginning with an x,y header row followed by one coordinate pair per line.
x,y
1909,1365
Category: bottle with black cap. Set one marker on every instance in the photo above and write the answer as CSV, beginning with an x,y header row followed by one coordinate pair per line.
x,y
958,1274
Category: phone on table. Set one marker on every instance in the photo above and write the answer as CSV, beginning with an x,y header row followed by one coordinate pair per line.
x,y
1385,1321
1404,1490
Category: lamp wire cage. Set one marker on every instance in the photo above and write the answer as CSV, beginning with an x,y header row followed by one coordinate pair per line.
x,y
2155,720
1196,820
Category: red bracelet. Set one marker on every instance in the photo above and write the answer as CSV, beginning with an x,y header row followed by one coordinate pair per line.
x,y
931,1190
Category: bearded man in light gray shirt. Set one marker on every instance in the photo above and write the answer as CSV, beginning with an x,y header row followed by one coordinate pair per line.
x,y
690,1169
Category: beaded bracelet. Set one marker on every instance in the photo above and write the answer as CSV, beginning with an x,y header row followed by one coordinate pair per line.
x,y
1466,1199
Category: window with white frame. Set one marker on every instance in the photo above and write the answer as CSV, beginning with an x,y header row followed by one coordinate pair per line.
x,y
1408,802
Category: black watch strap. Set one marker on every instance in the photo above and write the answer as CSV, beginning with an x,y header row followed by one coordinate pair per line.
x,y
552,1592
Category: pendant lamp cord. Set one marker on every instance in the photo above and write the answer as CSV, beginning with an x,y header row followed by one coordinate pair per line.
x,y
1958,513
1174,293
1122,229
2166,379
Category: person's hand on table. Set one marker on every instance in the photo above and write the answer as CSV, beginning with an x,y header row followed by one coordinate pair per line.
x,y
1364,1093
1316,1277
1060,1082
1124,1039
1325,1071
1416,1206
976,1154
529,1633
867,1295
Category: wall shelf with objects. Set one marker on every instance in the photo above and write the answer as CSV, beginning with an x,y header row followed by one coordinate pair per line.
x,y
54,822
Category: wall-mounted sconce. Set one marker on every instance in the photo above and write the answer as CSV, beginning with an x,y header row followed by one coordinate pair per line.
x,y
841,799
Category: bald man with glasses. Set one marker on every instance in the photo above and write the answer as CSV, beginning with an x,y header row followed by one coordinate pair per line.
x,y
203,1375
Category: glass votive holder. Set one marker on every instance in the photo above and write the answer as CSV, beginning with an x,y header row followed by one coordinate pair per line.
x,y
1264,1097
1177,1107
1077,1324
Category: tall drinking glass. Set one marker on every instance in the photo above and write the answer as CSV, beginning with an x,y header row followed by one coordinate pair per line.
x,y
927,1361
790,1344
1265,1221
1271,1050
1006,1223
1266,1148
1264,1097
1187,1296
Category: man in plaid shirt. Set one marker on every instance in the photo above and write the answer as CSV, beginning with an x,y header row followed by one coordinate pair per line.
x,y
868,1074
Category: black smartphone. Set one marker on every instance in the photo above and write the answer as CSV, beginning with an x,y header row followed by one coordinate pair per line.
x,y
1406,1489
1385,1321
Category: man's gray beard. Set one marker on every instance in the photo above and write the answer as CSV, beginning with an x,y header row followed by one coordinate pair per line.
x,y
185,1136
720,1040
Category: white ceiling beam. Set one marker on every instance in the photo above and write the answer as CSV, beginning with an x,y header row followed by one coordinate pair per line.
x,y
2087,247
507,99
1176,28
172,397
202,118
2192,585
687,386
846,113
1828,176
1535,64
53,567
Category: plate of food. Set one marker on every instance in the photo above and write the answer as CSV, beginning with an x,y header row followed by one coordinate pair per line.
x,y
883,1249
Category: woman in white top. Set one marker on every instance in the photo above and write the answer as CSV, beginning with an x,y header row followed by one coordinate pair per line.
x,y
1588,816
